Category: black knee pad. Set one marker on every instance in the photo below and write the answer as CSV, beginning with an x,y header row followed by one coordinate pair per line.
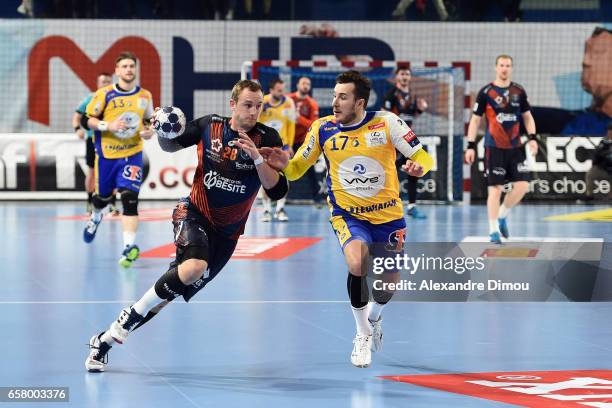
x,y
100,202
169,286
129,200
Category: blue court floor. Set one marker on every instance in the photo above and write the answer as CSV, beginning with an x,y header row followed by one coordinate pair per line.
x,y
267,332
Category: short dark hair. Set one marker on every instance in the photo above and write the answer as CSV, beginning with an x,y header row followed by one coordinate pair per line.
x,y
243,84
503,56
275,81
126,55
402,68
104,74
363,86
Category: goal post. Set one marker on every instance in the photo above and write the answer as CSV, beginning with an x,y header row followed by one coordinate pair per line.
x,y
440,128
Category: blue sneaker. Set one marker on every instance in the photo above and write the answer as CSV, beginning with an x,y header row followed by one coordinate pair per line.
x,y
503,227
129,255
415,213
495,238
89,233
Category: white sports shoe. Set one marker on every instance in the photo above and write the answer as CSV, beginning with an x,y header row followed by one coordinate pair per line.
x,y
127,320
266,216
377,334
281,215
98,355
362,355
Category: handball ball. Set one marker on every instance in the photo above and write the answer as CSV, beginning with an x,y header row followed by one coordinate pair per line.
x,y
169,122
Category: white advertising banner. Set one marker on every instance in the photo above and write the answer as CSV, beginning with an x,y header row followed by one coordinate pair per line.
x,y
52,166
48,66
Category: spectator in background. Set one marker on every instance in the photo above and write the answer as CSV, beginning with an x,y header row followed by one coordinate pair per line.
x,y
512,11
596,80
248,8
602,167
400,10
307,110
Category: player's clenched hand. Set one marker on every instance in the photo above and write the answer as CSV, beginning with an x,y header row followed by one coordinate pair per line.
x,y
276,157
245,143
421,104
413,168
470,155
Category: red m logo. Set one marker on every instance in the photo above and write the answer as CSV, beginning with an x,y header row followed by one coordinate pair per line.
x,y
85,69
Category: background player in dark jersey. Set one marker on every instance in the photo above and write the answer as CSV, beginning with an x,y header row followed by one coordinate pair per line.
x,y
207,224
401,101
504,103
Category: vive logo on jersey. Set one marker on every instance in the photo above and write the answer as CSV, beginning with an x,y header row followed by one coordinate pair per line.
x,y
214,179
132,173
361,176
377,138
506,117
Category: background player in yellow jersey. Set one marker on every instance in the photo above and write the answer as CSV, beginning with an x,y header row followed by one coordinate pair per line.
x,y
279,113
119,115
360,153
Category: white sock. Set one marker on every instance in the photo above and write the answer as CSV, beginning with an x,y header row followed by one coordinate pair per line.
x,y
375,311
96,215
411,206
107,338
493,226
267,203
361,320
128,238
503,211
147,302
280,204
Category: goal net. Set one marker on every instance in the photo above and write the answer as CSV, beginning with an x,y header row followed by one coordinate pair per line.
x,y
440,128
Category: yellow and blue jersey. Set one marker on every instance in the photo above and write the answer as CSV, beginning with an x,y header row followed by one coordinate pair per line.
x,y
361,173
110,103
281,117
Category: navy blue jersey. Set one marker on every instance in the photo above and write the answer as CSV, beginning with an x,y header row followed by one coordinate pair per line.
x,y
503,108
403,104
225,183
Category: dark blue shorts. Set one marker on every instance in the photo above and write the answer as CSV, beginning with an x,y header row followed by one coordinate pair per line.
x,y
122,173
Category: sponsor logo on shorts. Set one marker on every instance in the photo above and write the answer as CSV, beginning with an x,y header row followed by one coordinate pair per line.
x,y
522,167
131,172
499,171
396,240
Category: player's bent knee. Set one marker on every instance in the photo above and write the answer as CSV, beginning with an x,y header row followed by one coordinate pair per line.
x,y
191,270
129,200
100,202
